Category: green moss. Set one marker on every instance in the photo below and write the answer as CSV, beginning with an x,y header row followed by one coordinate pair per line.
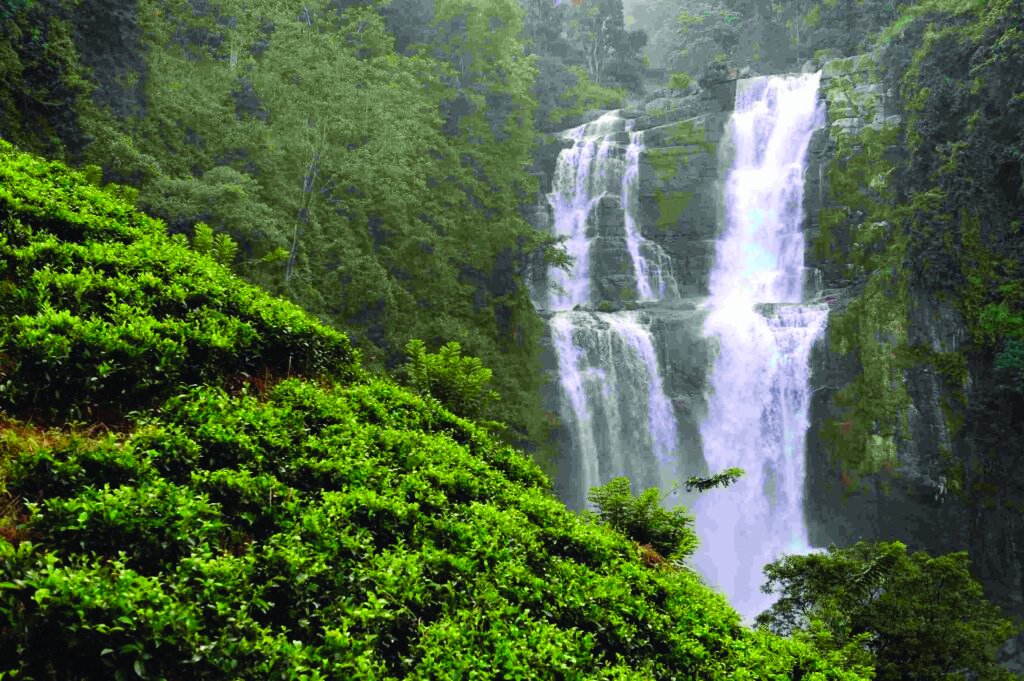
x,y
680,80
666,161
690,133
859,231
671,205
657,112
858,184
859,68
992,298
813,17
874,407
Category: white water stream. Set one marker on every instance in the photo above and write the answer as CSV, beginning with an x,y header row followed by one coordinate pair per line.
x,y
757,411
613,401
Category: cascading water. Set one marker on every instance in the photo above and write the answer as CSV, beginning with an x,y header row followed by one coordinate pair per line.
x,y
653,268
757,409
613,402
599,165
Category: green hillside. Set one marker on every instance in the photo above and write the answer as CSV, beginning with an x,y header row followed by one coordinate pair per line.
x,y
199,482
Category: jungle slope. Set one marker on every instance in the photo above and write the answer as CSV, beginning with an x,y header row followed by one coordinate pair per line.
x,y
201,482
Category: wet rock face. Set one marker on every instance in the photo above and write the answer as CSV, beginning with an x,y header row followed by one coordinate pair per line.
x,y
908,499
679,194
897,487
912,480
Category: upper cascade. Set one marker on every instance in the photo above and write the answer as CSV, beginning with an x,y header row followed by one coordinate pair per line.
x,y
760,255
594,202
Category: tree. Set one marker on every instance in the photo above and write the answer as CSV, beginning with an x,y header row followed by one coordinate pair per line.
x,y
228,201
597,28
705,32
916,616
642,519
221,247
667,533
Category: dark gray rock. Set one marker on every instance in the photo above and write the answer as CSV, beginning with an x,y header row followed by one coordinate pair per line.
x,y
607,219
612,279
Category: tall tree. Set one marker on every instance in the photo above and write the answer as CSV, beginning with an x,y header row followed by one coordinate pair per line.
x,y
918,617
597,29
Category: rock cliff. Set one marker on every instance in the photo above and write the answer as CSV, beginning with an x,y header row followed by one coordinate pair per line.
x,y
889,456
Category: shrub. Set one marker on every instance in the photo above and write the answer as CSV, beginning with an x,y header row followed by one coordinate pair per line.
x,y
680,81
109,315
642,518
459,383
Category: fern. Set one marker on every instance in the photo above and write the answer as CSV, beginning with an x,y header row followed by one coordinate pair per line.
x,y
224,249
459,383
202,240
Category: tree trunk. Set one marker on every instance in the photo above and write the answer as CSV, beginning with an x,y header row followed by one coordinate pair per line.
x,y
302,219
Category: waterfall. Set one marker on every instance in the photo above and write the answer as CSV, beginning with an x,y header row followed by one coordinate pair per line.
x,y
652,267
757,408
614,402
736,362
603,163
612,398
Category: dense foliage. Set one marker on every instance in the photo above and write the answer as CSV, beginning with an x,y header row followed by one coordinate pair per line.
x,y
770,37
915,616
91,331
586,58
392,181
668,533
238,523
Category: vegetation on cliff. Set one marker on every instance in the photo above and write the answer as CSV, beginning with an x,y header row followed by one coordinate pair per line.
x,y
928,208
199,481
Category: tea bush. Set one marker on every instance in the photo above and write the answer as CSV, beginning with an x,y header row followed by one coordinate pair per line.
x,y
384,548
104,314
241,523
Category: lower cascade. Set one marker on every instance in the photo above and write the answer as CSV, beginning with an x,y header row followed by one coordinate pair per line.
x,y
613,401
656,386
759,396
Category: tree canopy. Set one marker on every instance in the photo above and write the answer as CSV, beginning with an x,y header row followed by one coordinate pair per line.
x,y
915,616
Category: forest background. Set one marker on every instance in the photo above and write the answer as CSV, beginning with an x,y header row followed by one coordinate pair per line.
x,y
372,161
